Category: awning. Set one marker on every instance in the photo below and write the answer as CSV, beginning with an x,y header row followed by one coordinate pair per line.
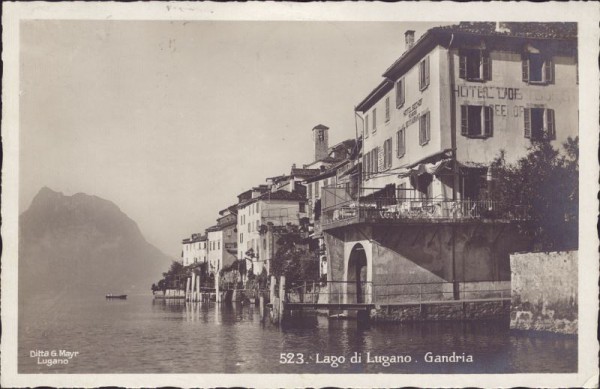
x,y
422,168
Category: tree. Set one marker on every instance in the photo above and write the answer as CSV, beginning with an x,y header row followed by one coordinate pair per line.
x,y
293,259
544,187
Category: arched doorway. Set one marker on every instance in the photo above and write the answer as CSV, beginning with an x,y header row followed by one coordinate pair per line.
x,y
357,275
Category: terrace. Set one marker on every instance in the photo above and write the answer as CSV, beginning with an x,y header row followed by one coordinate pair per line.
x,y
391,205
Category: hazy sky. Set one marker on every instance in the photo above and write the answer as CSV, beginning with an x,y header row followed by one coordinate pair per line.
x,y
171,120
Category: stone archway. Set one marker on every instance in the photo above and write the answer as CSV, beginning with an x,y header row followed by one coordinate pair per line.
x,y
356,275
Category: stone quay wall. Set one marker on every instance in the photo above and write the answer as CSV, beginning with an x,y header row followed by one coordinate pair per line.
x,y
478,310
544,292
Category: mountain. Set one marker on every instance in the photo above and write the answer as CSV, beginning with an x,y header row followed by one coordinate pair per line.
x,y
83,244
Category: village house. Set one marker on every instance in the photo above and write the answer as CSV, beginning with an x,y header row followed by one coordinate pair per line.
x,y
222,241
194,250
445,109
258,207
329,162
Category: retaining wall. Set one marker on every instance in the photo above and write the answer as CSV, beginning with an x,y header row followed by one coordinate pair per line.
x,y
544,292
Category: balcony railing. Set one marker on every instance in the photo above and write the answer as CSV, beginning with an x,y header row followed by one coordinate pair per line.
x,y
397,204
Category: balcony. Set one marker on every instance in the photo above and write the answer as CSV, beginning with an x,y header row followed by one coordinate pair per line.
x,y
391,205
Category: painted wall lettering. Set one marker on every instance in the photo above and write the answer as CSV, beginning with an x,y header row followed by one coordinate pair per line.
x,y
488,92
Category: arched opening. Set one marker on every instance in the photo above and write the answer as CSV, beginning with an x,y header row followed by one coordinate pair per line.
x,y
357,275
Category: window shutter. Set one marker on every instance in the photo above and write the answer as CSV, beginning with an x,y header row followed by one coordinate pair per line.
x,y
400,93
525,67
527,120
421,122
464,120
427,133
376,159
488,128
549,71
427,71
550,124
462,66
486,63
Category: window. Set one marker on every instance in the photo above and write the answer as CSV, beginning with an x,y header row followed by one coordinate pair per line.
x,y
401,142
387,154
475,65
241,237
424,130
302,208
537,69
366,126
387,109
317,189
424,73
366,165
309,191
256,207
400,93
374,160
374,119
476,121
257,225
219,245
249,225
539,123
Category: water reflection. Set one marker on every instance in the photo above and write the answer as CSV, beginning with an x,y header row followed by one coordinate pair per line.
x,y
171,336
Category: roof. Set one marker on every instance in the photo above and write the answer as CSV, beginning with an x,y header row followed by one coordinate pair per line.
x,y
213,228
327,173
320,127
232,209
195,238
280,195
443,34
550,30
304,172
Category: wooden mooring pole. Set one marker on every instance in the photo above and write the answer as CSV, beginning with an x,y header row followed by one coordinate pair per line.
x,y
281,297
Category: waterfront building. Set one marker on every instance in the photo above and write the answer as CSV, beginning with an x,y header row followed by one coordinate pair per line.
x,y
340,173
194,250
222,243
420,225
257,208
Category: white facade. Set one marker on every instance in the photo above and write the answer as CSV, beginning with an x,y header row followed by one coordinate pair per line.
x,y
259,212
194,251
215,250
410,121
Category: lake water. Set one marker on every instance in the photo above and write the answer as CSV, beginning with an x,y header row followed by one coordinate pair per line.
x,y
139,335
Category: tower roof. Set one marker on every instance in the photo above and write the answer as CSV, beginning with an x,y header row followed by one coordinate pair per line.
x,y
320,127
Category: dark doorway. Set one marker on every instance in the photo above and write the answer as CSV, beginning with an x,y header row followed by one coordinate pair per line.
x,y
357,275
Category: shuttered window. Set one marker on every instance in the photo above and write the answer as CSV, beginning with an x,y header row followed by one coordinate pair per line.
x,y
374,114
387,153
401,142
400,93
537,68
424,73
424,129
387,109
539,123
475,65
375,160
476,121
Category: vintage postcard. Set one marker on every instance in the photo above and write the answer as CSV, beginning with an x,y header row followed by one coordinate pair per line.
x,y
290,195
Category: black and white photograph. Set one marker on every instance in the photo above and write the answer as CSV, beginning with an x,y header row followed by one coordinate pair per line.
x,y
299,194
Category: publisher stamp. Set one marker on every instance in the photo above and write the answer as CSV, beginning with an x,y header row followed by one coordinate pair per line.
x,y
53,357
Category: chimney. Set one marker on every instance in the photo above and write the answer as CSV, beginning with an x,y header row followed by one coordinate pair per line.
x,y
293,166
409,39
502,27
321,139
